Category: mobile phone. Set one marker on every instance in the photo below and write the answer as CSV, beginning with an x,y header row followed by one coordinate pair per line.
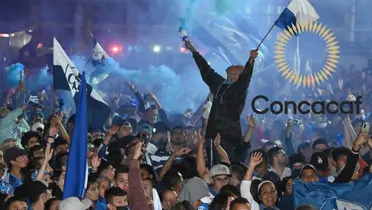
x,y
365,128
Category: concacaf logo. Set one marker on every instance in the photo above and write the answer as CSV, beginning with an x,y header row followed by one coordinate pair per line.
x,y
315,78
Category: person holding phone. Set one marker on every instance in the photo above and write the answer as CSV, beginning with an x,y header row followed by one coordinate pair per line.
x,y
228,99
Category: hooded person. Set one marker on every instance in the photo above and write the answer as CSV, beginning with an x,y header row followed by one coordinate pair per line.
x,y
196,191
228,101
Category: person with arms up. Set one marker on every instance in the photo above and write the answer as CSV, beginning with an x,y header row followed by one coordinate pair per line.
x,y
228,100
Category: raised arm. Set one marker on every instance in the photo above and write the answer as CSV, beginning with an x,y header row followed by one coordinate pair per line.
x,y
209,76
246,76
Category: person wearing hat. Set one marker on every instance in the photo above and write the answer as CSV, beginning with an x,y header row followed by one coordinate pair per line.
x,y
35,192
74,203
308,173
195,191
320,161
157,148
16,160
220,175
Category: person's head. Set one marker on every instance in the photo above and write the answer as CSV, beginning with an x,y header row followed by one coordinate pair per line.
x,y
125,129
308,173
237,174
240,204
296,161
147,172
148,186
103,185
52,204
92,189
30,139
116,197
235,190
15,157
159,136
178,136
36,192
320,145
286,185
305,149
16,203
222,201
262,168
173,179
320,161
268,145
339,156
233,72
306,207
277,157
190,140
121,178
74,203
196,191
168,198
151,114
107,170
61,145
220,176
267,193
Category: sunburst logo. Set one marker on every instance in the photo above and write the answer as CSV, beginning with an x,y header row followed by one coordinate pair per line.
x,y
308,79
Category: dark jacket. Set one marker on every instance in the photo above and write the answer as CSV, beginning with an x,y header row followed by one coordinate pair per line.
x,y
228,101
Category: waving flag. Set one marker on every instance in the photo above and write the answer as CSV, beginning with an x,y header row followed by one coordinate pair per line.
x,y
77,167
99,54
67,77
347,196
298,11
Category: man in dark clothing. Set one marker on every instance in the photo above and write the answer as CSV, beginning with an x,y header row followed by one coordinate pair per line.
x,y
228,99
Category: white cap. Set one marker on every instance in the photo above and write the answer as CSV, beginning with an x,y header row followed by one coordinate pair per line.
x,y
219,169
35,126
350,98
73,203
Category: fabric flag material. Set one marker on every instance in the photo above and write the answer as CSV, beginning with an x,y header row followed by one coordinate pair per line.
x,y
99,54
77,168
347,196
67,77
298,11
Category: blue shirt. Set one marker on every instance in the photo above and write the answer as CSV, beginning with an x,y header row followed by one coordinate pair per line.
x,y
100,204
203,206
212,191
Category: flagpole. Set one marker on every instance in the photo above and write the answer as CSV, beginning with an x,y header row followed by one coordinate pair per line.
x,y
272,26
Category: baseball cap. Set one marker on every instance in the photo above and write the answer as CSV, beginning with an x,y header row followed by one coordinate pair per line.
x,y
219,169
75,204
320,161
12,153
307,166
35,126
195,189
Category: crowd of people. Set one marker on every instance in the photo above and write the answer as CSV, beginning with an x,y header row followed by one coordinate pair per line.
x,y
143,158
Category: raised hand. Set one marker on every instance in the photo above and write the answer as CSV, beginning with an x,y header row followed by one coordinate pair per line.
x,y
48,153
254,54
181,152
53,131
251,120
112,130
217,140
137,151
200,139
189,46
256,159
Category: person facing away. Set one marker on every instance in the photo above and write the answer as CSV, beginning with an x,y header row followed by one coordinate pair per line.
x,y
228,99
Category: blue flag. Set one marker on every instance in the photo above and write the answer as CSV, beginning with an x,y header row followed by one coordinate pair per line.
x,y
354,195
297,11
77,168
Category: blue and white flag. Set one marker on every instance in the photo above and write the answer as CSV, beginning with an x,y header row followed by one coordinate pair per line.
x,y
99,54
67,77
298,11
77,166
325,196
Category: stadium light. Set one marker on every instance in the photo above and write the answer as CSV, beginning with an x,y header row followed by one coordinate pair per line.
x,y
156,48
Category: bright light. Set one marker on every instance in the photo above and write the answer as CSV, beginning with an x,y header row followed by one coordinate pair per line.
x,y
4,35
115,49
182,49
40,45
156,48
